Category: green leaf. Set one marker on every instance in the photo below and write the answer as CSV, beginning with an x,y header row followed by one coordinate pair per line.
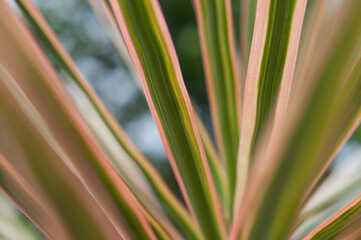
x,y
148,39
271,65
171,204
345,224
247,19
285,168
216,165
56,145
223,84
30,203
344,119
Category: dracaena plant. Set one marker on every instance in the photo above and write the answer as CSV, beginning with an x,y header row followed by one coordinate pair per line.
x,y
280,114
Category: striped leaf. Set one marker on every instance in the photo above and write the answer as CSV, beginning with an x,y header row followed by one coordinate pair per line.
x,y
345,117
286,166
345,224
53,140
247,20
149,42
272,60
223,84
106,16
317,20
40,212
216,166
171,204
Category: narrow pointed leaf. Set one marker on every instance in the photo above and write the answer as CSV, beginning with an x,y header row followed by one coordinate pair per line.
x,y
286,166
275,43
247,20
223,84
216,165
29,202
345,118
149,42
315,22
175,209
341,225
57,144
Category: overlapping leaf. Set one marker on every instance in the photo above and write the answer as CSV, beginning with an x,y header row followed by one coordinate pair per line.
x,y
247,19
345,224
291,159
223,84
270,70
171,204
148,39
52,139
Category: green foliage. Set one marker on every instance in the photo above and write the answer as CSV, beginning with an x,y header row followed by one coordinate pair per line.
x,y
282,105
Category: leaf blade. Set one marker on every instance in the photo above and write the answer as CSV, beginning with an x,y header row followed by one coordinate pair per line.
x,y
171,204
270,71
291,159
148,40
58,131
222,78
342,224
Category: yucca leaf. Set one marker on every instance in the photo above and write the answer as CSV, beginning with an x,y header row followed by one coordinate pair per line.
x,y
149,42
223,84
74,210
175,209
152,210
62,58
290,161
108,20
344,119
272,60
345,224
316,21
331,200
247,19
216,165
339,187
29,202
56,143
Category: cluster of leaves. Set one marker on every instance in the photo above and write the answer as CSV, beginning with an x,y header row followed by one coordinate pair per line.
x,y
278,123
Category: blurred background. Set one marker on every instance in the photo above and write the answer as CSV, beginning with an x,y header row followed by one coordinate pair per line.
x,y
88,43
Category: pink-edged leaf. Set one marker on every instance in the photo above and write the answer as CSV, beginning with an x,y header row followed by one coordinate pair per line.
x,y
223,81
271,65
52,138
288,159
151,48
28,201
143,177
345,224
